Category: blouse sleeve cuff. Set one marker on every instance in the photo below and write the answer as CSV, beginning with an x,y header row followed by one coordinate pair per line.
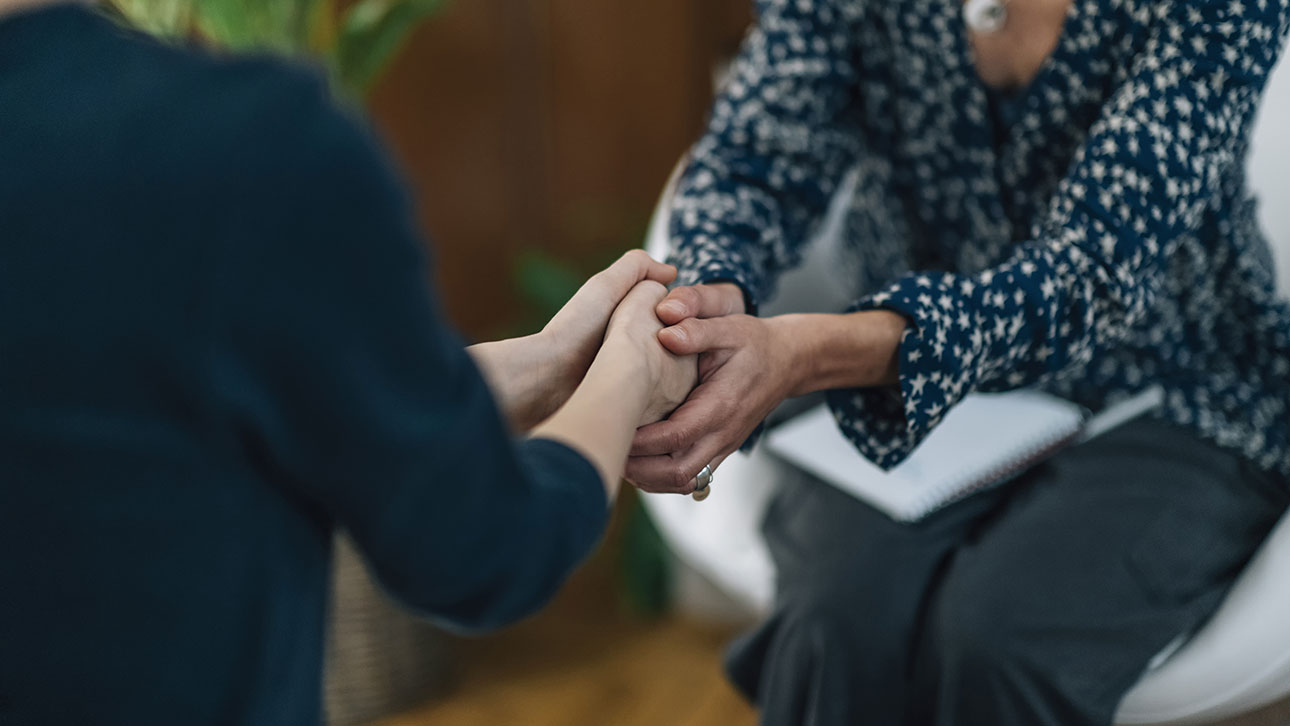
x,y
936,360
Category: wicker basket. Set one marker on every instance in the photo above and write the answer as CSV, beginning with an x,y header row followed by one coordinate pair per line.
x,y
380,660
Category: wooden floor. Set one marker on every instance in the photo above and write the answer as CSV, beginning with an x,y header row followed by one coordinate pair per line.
x,y
556,671
558,674
587,660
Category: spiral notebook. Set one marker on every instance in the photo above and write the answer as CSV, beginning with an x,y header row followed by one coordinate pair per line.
x,y
984,441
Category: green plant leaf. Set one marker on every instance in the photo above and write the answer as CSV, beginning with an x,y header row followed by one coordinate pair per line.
x,y
545,282
358,45
280,25
165,18
322,30
645,572
372,33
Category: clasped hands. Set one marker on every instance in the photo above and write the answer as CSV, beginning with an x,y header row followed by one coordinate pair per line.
x,y
747,366
715,372
697,374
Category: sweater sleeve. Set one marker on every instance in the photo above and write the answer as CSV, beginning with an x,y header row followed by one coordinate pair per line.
x,y
1142,179
348,390
782,134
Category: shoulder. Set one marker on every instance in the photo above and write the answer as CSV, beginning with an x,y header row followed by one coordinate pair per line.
x,y
242,123
270,122
258,156
283,126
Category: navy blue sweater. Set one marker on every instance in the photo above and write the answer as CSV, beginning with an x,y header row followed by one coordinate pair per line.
x,y
217,345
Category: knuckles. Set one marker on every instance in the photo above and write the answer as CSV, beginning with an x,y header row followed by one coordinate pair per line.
x,y
633,264
672,479
679,481
687,335
653,288
669,438
687,298
637,256
690,326
679,439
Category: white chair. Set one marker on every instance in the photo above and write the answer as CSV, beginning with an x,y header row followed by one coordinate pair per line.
x,y
1238,663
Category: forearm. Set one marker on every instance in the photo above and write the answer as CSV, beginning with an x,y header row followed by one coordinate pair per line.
x,y
856,350
522,378
600,418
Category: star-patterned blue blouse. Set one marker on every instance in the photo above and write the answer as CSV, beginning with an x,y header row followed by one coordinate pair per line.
x,y
1102,242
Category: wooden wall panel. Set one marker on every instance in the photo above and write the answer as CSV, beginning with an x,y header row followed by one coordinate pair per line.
x,y
546,125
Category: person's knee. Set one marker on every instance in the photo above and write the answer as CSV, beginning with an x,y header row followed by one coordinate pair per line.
x,y
990,655
819,632
976,630
838,613
814,662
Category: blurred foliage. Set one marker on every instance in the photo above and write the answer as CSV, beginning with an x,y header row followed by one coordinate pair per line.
x,y
646,567
545,283
356,41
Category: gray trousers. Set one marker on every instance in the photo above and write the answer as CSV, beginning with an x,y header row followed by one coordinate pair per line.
x,y
1040,602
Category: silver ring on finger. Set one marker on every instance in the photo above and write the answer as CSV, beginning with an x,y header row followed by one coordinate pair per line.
x,y
703,481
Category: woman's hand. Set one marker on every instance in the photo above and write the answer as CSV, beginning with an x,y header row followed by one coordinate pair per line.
x,y
533,376
579,328
632,342
747,367
632,380
712,300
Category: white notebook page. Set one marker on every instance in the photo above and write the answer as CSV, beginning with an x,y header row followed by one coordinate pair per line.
x,y
985,439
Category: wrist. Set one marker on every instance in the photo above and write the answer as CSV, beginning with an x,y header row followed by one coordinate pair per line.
x,y
527,377
560,367
790,335
620,374
597,419
886,330
624,357
855,350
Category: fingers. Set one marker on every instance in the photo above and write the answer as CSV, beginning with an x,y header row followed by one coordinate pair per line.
x,y
698,335
608,288
716,463
701,301
635,266
679,432
659,272
632,317
674,473
592,305
645,295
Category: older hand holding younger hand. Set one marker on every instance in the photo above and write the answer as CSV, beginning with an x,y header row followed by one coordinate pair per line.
x,y
747,367
745,371
633,338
